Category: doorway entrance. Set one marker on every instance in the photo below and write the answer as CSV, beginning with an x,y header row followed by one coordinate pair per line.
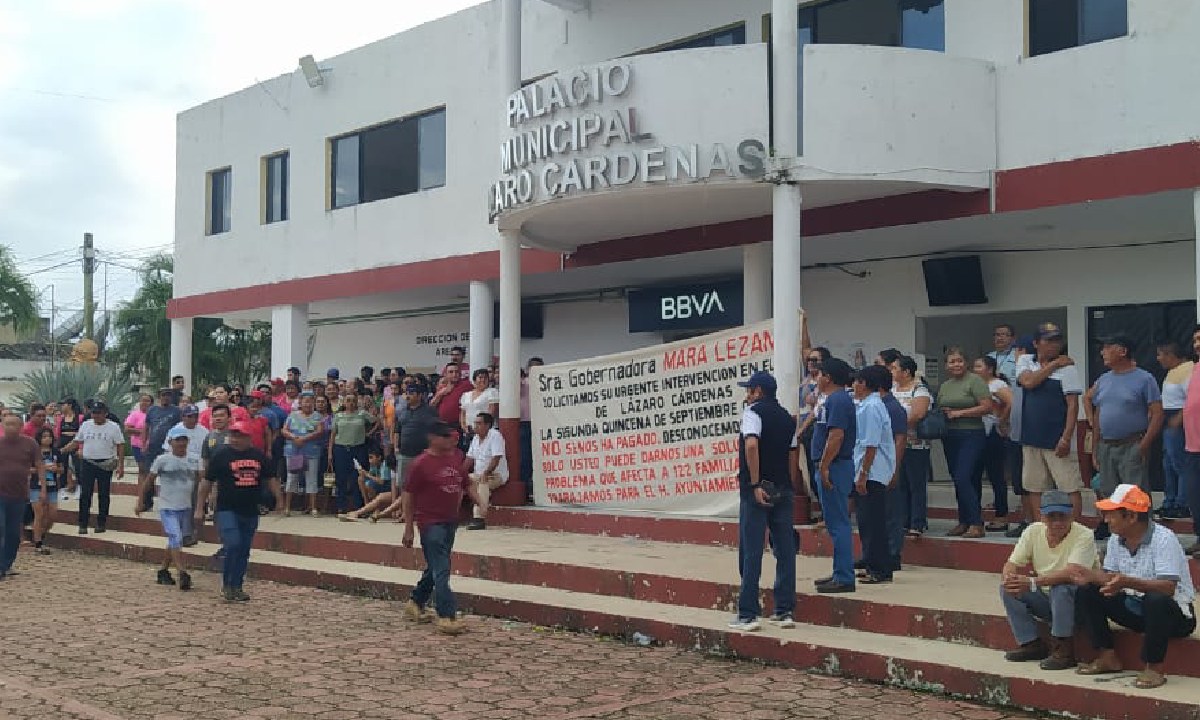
x,y
973,333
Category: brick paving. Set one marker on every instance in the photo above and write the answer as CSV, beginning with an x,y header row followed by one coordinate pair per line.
x,y
95,639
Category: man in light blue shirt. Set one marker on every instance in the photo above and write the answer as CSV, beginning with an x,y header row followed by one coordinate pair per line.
x,y
1004,337
874,467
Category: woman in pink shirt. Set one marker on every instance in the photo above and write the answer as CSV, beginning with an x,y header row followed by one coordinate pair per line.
x,y
134,422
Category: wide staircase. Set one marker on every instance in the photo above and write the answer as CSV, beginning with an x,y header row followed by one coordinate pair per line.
x,y
939,627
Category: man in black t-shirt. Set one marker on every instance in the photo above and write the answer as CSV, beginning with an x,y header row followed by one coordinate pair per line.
x,y
241,472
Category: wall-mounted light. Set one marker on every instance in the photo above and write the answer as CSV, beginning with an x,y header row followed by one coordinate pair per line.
x,y
313,74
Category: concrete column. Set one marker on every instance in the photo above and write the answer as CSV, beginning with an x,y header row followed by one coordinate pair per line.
x,y
480,348
756,282
181,350
1196,222
786,201
512,492
289,340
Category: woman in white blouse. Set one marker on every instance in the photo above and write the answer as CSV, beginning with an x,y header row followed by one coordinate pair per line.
x,y
480,398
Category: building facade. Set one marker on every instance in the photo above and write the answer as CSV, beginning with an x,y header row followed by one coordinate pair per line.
x,y
673,166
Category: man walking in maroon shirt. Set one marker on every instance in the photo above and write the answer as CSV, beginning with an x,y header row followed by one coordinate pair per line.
x,y
432,498
19,458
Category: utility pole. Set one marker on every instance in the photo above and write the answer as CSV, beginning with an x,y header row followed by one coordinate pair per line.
x,y
53,340
89,271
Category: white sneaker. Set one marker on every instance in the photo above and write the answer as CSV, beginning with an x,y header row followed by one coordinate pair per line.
x,y
782,620
745,625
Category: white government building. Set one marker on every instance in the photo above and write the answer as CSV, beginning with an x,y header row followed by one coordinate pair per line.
x,y
920,170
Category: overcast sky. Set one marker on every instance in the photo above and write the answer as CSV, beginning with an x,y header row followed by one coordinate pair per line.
x,y
89,90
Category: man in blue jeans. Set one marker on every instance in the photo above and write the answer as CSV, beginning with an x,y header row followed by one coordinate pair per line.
x,y
432,498
19,458
833,441
767,468
240,472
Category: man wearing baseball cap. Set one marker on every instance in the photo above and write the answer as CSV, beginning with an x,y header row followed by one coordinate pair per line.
x,y
1146,586
1051,387
1125,406
241,473
1055,548
767,465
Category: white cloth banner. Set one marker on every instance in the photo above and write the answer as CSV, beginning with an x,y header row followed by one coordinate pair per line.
x,y
651,429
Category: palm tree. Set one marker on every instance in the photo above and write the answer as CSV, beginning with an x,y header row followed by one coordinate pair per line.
x,y
143,337
18,296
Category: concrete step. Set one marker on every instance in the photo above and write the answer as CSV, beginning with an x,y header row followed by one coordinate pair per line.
x,y
918,663
929,602
932,549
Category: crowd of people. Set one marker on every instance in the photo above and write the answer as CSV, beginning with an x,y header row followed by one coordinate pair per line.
x,y
864,437
373,446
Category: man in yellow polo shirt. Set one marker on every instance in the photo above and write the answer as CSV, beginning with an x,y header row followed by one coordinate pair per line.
x,y
1054,547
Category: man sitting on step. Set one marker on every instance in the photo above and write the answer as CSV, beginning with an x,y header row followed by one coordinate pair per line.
x,y
1146,586
1057,548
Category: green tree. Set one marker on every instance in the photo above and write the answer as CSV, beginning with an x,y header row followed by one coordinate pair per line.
x,y
143,337
18,296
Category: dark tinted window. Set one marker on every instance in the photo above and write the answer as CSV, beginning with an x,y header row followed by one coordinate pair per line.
x,y
277,188
730,36
1060,24
397,158
220,197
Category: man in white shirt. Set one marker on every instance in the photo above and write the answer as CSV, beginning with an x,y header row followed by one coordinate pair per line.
x,y
485,465
103,453
1146,586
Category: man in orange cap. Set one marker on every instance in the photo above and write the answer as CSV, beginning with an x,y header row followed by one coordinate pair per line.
x,y
1145,585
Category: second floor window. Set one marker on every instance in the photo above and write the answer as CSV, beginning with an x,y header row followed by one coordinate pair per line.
x,y
220,199
918,24
397,158
735,35
1060,24
276,171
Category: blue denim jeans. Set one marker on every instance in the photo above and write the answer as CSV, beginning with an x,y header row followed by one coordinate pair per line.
x,y
12,515
754,522
963,450
1174,474
835,504
907,503
437,543
1055,606
992,460
349,497
237,534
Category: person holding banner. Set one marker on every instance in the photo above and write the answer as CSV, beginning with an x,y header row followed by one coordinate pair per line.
x,y
767,465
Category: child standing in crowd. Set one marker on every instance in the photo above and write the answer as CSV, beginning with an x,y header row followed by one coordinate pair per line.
x,y
995,432
43,488
175,474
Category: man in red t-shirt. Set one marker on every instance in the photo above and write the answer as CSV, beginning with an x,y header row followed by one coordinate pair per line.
x,y
432,498
220,396
37,420
260,435
448,397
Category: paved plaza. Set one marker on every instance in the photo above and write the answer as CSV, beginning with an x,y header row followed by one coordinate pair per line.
x,y
94,638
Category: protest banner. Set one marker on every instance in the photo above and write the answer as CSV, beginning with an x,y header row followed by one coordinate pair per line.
x,y
651,429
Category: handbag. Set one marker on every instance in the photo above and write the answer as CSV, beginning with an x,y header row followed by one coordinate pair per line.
x,y
933,425
295,463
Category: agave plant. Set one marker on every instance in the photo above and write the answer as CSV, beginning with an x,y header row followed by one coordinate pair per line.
x,y
80,382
